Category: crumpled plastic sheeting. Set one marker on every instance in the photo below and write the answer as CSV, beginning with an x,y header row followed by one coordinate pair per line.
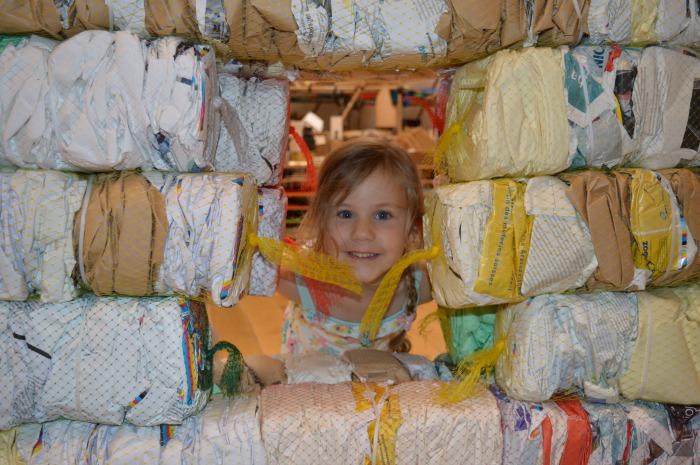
x,y
640,22
665,361
558,342
316,367
178,91
272,208
510,111
638,431
457,218
23,89
36,217
207,218
667,109
226,432
105,101
371,28
598,82
105,360
254,133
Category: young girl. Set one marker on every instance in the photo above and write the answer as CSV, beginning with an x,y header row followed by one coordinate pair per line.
x,y
366,213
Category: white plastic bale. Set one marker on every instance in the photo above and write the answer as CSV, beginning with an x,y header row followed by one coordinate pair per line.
x,y
98,121
561,254
23,112
313,423
107,360
180,85
254,132
205,215
48,202
467,432
558,342
666,118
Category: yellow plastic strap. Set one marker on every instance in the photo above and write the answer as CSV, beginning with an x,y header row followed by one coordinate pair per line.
x,y
383,429
308,263
651,221
506,242
469,372
378,306
440,156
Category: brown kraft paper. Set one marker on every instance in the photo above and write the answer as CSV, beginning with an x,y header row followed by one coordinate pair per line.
x,y
30,17
125,230
172,18
602,202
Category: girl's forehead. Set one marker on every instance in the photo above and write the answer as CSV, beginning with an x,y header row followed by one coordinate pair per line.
x,y
377,188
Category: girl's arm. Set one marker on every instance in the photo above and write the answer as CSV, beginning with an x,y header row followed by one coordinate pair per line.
x,y
425,293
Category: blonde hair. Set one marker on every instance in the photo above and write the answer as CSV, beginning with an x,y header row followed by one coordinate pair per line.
x,y
342,170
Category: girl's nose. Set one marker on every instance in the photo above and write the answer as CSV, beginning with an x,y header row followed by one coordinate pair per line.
x,y
362,230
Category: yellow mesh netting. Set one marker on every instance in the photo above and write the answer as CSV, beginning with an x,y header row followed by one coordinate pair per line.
x,y
469,372
307,263
439,157
378,306
382,440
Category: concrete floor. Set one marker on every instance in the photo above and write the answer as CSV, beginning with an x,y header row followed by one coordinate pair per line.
x,y
255,327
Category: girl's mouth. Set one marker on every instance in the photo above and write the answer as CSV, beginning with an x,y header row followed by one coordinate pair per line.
x,y
362,255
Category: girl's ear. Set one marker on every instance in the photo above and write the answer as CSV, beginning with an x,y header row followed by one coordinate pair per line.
x,y
415,238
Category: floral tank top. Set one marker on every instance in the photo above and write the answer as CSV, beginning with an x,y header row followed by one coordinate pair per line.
x,y
307,329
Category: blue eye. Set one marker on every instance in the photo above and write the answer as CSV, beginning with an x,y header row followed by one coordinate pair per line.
x,y
383,215
344,214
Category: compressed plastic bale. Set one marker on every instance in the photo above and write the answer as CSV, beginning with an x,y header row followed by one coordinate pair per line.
x,y
559,343
107,360
561,255
664,364
97,119
506,116
502,240
313,422
23,112
666,109
36,238
254,133
209,218
434,434
180,87
690,35
272,208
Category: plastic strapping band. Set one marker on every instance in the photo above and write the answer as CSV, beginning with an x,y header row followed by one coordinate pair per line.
x,y
81,233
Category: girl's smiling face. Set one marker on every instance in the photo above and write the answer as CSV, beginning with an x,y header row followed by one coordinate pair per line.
x,y
370,229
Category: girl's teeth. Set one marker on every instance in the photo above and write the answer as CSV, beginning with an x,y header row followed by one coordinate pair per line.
x,y
362,255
